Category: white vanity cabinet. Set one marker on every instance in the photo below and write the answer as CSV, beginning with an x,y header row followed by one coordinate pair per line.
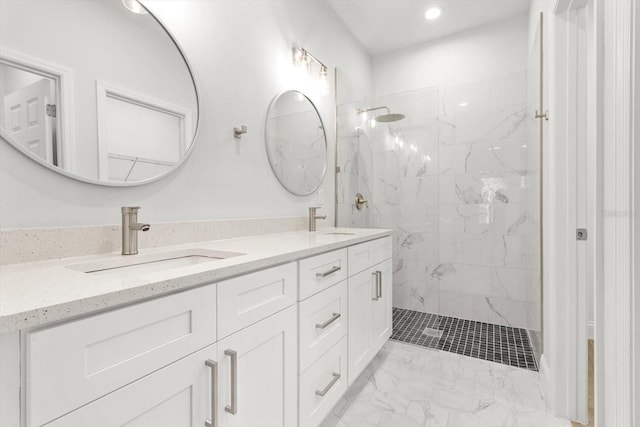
x,y
370,295
276,347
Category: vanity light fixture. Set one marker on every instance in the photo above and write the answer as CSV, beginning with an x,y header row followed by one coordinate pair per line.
x,y
432,13
302,58
134,6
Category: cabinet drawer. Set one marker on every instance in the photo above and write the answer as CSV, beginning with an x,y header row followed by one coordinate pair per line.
x,y
321,271
177,395
367,254
323,321
247,299
323,384
90,357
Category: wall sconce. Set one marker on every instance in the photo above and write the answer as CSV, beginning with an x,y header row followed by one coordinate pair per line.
x,y
303,59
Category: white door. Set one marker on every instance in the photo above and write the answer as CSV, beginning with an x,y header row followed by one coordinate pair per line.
x,y
259,366
381,308
179,395
26,120
361,294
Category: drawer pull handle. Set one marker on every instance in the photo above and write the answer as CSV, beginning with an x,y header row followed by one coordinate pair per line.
x,y
333,318
233,408
325,390
378,277
214,393
326,273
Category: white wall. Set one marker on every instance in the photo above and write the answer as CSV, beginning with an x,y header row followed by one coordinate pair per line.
x,y
241,55
473,55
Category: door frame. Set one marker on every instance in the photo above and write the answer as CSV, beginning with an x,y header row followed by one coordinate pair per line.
x,y
63,78
569,157
105,90
617,345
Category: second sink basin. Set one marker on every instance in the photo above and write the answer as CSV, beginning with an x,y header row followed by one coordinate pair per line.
x,y
134,265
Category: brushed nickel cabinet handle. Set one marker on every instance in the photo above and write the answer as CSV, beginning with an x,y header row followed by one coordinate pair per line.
x,y
325,390
214,393
333,318
233,408
377,283
326,273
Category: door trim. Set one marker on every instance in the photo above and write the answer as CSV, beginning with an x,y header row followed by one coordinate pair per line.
x,y
63,78
616,333
105,90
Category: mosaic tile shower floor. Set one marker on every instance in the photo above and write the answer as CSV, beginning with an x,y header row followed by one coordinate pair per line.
x,y
486,341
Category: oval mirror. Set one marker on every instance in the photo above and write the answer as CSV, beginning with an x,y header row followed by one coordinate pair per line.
x,y
296,142
96,90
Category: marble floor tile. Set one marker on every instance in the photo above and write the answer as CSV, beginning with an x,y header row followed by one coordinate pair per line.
x,y
407,386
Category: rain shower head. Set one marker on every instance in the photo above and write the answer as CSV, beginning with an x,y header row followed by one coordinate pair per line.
x,y
388,118
383,118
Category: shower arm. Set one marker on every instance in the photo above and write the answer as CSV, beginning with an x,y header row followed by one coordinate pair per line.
x,y
365,110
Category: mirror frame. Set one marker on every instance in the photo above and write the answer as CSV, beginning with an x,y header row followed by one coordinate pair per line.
x,y
9,140
266,143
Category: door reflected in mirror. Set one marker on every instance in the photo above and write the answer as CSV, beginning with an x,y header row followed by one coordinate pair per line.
x,y
94,91
296,143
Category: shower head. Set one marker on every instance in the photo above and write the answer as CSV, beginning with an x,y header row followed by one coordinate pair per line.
x,y
388,118
383,118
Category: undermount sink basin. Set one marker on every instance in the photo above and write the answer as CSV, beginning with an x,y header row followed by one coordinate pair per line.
x,y
152,263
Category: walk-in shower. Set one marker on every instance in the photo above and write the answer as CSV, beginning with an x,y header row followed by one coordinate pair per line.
x,y
457,182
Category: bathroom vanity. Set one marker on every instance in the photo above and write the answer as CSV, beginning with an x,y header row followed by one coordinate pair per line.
x,y
270,335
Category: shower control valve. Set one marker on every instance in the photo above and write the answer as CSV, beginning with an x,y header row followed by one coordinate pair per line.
x,y
361,202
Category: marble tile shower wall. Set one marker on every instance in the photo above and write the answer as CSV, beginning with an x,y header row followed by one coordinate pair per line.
x,y
488,257
455,179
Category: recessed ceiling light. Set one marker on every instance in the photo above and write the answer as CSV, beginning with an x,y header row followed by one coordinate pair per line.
x,y
432,13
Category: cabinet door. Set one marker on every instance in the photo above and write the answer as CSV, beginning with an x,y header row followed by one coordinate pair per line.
x,y
258,365
370,315
361,294
381,307
179,395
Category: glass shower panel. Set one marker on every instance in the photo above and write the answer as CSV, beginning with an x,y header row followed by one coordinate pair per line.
x,y
354,168
394,164
535,137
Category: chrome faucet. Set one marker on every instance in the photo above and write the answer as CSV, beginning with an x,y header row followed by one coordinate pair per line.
x,y
313,217
130,228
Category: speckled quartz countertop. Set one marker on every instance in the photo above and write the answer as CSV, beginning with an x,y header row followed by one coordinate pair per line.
x,y
36,293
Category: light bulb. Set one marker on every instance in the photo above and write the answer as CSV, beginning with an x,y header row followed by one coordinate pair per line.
x,y
433,13
134,6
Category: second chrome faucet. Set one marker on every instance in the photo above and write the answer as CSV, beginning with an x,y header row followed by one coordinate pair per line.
x,y
130,228
313,217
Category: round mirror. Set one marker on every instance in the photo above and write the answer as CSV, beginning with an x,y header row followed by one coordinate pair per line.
x,y
296,142
96,90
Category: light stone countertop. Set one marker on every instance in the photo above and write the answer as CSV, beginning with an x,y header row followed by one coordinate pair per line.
x,y
36,293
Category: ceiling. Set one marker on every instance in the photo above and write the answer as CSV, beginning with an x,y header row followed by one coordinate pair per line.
x,y
385,25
